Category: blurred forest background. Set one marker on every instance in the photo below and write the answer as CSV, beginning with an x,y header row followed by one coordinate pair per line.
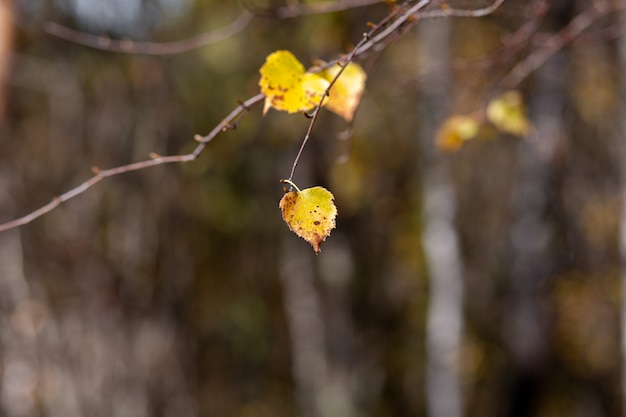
x,y
484,282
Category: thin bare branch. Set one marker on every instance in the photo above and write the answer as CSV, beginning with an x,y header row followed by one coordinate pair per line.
x,y
605,34
448,12
149,48
155,160
405,16
557,41
298,10
127,46
514,42
389,27
408,17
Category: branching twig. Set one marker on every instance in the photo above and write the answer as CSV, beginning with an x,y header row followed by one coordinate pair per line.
x,y
149,48
406,17
448,12
589,37
513,43
298,10
556,42
127,46
155,160
608,33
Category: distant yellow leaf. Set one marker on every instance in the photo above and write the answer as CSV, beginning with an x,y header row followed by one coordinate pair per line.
x,y
310,214
287,86
455,131
345,94
508,114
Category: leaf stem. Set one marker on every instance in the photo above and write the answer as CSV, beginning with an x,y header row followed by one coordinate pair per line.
x,y
292,184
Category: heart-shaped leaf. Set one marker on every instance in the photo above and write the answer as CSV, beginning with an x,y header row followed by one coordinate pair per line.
x,y
310,214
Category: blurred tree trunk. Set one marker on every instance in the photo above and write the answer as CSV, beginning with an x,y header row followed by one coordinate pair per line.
x,y
622,150
316,306
560,252
525,325
306,327
17,342
440,239
6,46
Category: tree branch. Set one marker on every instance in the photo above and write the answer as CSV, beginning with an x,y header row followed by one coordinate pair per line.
x,y
126,46
149,48
557,41
448,12
298,10
228,123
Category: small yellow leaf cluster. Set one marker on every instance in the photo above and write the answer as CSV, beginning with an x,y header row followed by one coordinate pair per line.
x,y
310,214
506,112
288,87
455,130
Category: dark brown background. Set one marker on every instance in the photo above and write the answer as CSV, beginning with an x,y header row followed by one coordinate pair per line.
x,y
178,290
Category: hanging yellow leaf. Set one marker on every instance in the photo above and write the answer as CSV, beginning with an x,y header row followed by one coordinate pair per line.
x,y
309,213
287,86
345,94
455,130
507,113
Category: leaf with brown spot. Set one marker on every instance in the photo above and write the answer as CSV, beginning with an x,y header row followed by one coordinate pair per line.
x,y
310,214
287,86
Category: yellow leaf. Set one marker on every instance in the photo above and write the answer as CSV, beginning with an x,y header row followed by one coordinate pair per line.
x,y
508,114
310,214
345,94
455,130
286,85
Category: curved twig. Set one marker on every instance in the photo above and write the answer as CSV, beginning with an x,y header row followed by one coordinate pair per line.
x,y
556,42
126,46
298,10
448,12
155,160
149,48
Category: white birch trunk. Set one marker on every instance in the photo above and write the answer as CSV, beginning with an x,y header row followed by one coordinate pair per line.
x,y
445,312
306,327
